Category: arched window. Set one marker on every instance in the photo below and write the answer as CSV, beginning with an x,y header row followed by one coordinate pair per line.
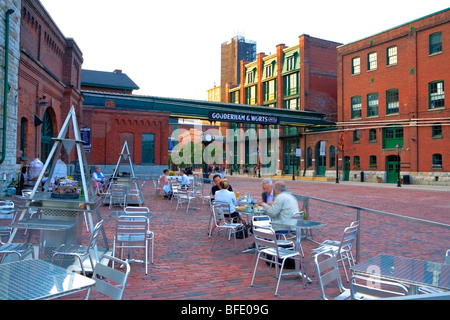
x,y
309,158
332,157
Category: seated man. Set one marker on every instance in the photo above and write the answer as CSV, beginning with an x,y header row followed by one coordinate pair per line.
x,y
185,182
284,205
216,187
267,195
99,179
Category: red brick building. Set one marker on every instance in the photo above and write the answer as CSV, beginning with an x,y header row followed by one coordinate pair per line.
x,y
49,82
391,92
301,77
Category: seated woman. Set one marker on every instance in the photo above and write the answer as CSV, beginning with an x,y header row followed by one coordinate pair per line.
x,y
164,184
224,195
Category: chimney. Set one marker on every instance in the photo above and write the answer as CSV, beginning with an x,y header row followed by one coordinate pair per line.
x,y
118,71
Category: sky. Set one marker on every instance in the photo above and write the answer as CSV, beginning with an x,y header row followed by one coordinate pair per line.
x,y
172,48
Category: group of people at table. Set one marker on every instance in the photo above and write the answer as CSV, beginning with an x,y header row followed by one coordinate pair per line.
x,y
277,202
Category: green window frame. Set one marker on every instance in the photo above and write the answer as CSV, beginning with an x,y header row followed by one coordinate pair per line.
x,y
356,162
291,84
357,136
372,61
436,130
392,57
356,107
392,101
437,161
356,65
372,105
148,148
332,157
309,158
372,162
270,91
373,135
436,94
435,42
251,95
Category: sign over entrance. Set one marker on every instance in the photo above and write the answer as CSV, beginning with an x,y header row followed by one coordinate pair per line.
x,y
242,117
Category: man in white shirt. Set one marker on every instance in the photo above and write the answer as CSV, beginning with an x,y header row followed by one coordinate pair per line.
x,y
185,182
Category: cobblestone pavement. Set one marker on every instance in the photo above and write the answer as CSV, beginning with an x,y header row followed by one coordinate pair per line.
x,y
185,267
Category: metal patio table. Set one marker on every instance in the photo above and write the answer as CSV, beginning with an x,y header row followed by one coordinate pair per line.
x,y
35,279
415,272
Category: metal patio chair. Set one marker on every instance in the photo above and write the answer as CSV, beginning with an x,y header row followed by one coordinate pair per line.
x,y
267,244
223,223
342,248
328,271
79,251
110,281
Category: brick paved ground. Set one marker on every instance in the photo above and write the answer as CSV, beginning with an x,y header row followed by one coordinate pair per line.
x,y
185,267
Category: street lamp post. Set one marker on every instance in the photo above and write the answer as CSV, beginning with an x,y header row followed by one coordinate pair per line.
x,y
337,165
207,139
398,148
293,164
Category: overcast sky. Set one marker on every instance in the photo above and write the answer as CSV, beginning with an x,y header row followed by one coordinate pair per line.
x,y
172,48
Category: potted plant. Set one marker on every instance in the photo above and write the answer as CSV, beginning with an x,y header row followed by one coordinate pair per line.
x,y
378,179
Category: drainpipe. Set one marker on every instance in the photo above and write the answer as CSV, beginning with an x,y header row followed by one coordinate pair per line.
x,y
5,85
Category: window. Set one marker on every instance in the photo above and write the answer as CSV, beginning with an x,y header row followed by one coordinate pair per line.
x,y
436,96
356,65
436,130
392,56
356,162
290,63
269,71
436,42
372,62
148,148
372,105
373,162
357,136
372,135
250,77
332,157
291,84
269,90
309,158
437,161
392,101
356,107
392,136
291,104
251,95
234,97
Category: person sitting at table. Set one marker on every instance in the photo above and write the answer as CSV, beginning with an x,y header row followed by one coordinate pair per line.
x,y
224,195
165,185
283,207
99,179
185,182
267,195
216,187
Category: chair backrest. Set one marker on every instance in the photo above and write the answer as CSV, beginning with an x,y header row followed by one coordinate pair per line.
x,y
371,287
136,210
219,210
118,190
94,235
328,271
131,228
111,282
261,222
447,257
266,238
348,238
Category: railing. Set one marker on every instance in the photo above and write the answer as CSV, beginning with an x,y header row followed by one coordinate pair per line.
x,y
387,230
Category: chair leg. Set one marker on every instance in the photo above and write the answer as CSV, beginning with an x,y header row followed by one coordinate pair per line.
x,y
256,267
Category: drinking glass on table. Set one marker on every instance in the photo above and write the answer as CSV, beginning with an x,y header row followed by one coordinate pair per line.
x,y
237,195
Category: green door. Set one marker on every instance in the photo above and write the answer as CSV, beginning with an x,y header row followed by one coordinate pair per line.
x,y
46,136
321,162
148,148
392,168
346,168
